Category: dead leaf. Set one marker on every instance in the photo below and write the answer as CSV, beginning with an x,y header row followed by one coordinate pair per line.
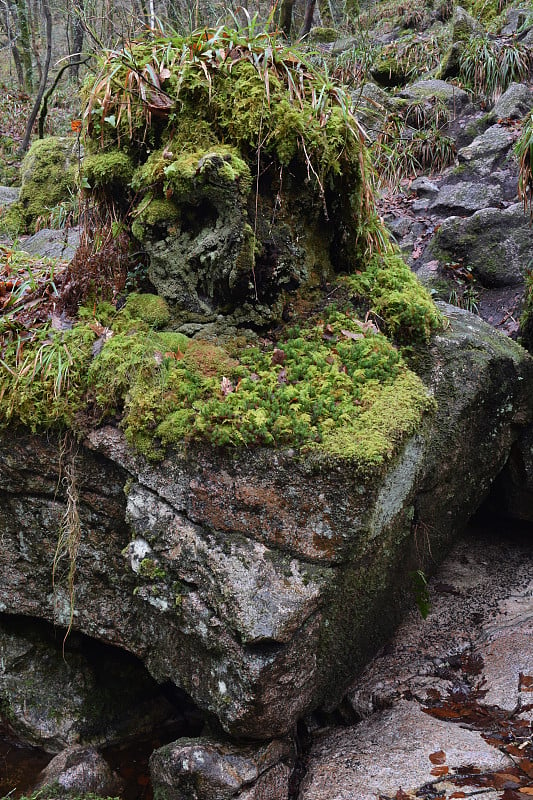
x,y
457,794
164,74
438,757
282,376
526,790
525,683
438,772
226,386
351,335
278,356
158,357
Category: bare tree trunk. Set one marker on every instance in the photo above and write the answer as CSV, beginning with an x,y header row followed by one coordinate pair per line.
x,y
25,48
44,77
9,12
308,18
77,39
285,16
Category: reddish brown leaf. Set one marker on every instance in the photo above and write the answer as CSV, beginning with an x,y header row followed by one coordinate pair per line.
x,y
526,790
438,757
440,771
278,356
458,794
525,683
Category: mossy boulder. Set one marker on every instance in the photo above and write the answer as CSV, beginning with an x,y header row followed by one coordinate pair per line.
x,y
248,188
48,177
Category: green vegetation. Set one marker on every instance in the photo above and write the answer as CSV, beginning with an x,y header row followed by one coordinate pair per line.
x,y
164,118
524,152
489,66
48,175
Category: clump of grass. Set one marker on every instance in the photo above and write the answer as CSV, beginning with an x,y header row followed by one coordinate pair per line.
x,y
488,66
524,152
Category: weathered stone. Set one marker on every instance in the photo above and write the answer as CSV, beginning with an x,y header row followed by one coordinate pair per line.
x,y
424,187
514,103
388,752
260,581
466,197
488,151
495,243
54,694
79,770
49,243
455,98
204,769
8,195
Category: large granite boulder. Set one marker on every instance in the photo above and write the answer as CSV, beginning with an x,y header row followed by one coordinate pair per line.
x,y
255,581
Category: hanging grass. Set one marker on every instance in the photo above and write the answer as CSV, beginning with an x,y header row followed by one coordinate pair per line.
x,y
524,151
489,66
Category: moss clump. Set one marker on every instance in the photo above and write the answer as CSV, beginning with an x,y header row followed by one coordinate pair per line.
x,y
48,174
395,296
106,170
150,308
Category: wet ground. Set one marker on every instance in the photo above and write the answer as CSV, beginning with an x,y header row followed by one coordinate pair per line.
x,y
445,708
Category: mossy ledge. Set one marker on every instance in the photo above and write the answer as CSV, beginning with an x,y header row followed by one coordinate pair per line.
x,y
332,382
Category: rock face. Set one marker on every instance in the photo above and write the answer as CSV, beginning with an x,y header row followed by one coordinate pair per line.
x,y
254,582
208,769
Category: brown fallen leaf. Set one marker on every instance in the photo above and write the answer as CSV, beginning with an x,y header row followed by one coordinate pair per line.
x,y
278,356
438,757
438,772
525,683
457,794
526,790
351,335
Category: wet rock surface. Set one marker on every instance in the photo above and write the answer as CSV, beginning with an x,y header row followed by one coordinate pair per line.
x,y
79,770
445,706
256,582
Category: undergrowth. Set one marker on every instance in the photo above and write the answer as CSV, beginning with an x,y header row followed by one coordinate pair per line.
x,y
489,66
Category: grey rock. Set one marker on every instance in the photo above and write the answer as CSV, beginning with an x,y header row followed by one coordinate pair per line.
x,y
49,243
256,581
514,103
8,195
466,197
205,769
487,151
56,695
514,19
455,98
464,26
79,770
388,752
424,187
496,243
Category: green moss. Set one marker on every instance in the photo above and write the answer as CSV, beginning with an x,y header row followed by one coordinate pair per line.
x,y
148,568
48,175
107,170
397,298
150,308
12,220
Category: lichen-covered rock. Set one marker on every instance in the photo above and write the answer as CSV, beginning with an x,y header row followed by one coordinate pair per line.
x,y
514,103
260,581
495,243
54,694
210,770
489,151
79,771
49,243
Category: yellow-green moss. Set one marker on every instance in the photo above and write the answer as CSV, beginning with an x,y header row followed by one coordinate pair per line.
x,y
150,308
111,170
48,175
396,297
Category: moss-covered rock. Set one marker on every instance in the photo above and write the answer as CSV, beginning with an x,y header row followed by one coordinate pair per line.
x,y
238,176
48,177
